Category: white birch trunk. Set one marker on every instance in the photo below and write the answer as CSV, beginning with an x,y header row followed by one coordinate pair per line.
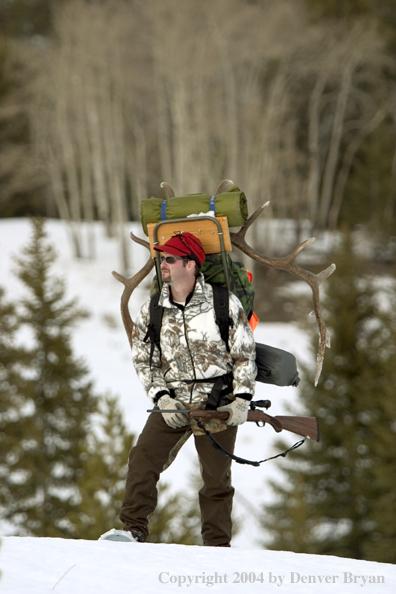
x,y
335,141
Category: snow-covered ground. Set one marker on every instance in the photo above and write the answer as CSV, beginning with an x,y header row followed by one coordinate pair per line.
x,y
102,341
41,565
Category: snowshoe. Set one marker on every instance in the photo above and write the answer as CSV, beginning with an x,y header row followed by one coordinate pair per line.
x,y
122,536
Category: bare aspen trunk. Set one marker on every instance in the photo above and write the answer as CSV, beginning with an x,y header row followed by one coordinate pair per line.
x,y
344,172
335,141
99,186
137,169
60,199
230,102
83,150
314,146
163,131
70,176
179,122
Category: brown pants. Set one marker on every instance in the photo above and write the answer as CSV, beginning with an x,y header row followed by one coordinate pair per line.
x,y
146,462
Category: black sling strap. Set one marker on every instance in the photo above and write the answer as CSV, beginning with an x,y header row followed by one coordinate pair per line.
x,y
221,306
222,312
216,445
154,328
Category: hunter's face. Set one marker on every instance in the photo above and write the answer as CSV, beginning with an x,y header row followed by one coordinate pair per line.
x,y
172,272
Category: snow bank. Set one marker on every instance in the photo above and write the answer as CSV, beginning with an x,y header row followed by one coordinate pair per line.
x,y
41,565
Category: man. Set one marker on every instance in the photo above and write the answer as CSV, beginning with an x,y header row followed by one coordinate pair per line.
x,y
182,374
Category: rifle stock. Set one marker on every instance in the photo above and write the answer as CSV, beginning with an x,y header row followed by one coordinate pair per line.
x,y
304,426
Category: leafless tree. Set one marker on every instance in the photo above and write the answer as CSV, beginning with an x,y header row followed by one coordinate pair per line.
x,y
82,101
342,110
19,170
134,92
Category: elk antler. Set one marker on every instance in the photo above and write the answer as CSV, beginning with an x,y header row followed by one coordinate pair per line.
x,y
224,185
287,263
238,239
130,285
168,188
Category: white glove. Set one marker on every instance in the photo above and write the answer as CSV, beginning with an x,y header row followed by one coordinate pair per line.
x,y
174,420
238,410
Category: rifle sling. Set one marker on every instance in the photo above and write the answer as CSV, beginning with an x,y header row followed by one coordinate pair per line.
x,y
243,460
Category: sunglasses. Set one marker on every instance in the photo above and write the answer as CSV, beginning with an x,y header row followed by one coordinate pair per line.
x,y
171,259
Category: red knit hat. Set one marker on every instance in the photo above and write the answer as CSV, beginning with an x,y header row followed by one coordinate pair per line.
x,y
184,244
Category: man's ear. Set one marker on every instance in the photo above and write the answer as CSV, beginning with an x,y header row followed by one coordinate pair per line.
x,y
191,264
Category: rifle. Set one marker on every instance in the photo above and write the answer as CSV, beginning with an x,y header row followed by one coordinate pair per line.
x,y
304,426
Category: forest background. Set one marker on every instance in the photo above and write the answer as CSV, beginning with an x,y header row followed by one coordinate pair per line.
x,y
295,100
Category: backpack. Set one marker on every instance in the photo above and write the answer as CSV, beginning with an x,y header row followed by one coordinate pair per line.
x,y
274,366
240,283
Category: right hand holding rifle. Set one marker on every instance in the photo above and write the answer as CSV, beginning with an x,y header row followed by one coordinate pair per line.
x,y
174,419
238,410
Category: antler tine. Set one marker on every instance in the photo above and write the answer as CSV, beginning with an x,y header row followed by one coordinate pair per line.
x,y
130,285
224,185
252,218
142,242
287,264
168,188
324,338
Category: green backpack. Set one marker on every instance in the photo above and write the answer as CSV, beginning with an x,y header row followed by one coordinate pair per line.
x,y
240,283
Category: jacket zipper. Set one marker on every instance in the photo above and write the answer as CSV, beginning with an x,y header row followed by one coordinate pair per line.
x,y
191,357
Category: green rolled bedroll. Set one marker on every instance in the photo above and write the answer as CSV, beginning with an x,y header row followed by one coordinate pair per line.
x,y
232,204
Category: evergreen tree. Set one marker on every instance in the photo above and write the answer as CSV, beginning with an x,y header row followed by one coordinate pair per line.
x,y
339,497
44,439
63,451
102,482
11,384
26,19
9,355
370,187
382,11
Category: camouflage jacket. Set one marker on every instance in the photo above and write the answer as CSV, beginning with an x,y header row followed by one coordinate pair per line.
x,y
192,348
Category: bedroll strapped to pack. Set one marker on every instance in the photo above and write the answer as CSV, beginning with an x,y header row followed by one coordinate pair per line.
x,y
231,204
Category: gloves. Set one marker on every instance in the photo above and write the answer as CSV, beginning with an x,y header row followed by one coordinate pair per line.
x,y
174,420
238,410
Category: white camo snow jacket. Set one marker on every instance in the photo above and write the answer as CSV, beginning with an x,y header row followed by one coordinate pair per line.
x,y
192,348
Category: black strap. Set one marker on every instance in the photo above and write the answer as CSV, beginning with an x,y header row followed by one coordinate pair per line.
x,y
221,306
154,328
243,460
218,390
